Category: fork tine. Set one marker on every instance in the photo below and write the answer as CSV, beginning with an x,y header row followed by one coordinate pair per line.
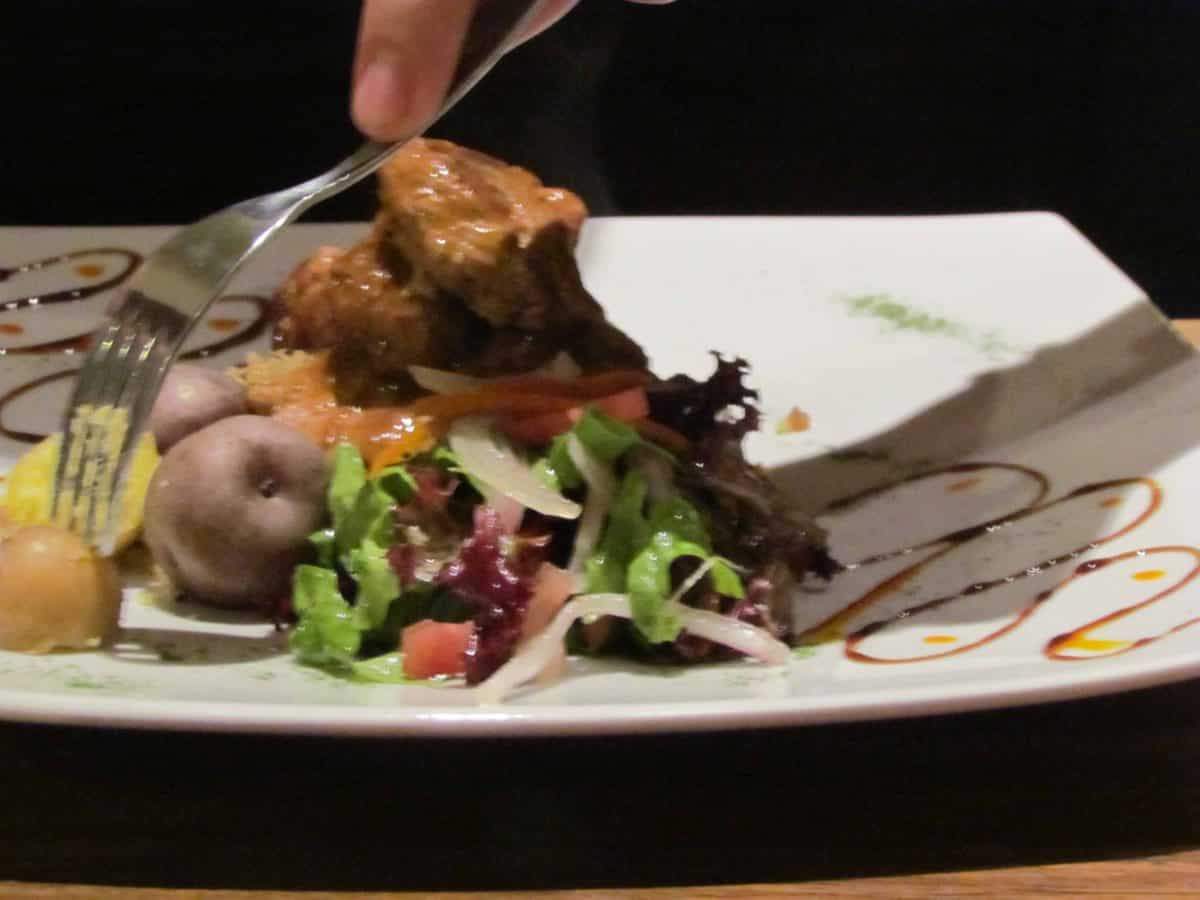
x,y
69,470
145,374
116,373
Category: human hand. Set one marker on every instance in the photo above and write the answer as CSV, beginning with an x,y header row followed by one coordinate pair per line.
x,y
407,52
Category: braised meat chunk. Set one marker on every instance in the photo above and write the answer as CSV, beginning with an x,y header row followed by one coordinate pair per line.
x,y
373,307
470,265
487,232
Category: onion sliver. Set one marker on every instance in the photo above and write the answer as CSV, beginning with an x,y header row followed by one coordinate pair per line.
x,y
439,381
541,650
491,459
741,636
601,488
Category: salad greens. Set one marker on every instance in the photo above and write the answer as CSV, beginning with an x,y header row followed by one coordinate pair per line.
x,y
603,437
360,592
326,633
330,631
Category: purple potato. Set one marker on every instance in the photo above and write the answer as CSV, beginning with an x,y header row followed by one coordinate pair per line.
x,y
230,507
192,397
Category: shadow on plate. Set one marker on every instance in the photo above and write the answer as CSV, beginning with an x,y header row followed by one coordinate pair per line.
x,y
195,648
1100,413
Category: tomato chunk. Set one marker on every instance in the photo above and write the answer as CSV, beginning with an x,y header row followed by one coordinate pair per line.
x,y
625,406
435,648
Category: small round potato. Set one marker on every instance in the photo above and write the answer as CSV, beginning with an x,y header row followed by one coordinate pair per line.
x,y
55,593
230,507
192,397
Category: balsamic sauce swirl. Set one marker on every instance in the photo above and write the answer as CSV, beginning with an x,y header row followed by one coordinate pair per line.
x,y
69,295
80,343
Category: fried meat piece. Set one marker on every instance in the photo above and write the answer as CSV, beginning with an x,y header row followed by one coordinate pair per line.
x,y
470,266
371,307
487,232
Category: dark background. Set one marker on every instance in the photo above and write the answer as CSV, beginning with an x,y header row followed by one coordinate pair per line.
x,y
139,111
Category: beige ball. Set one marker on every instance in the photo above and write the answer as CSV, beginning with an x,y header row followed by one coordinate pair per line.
x,y
55,593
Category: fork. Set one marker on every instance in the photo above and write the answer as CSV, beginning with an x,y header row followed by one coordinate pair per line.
x,y
130,354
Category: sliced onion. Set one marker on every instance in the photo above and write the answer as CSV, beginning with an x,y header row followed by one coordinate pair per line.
x,y
542,650
741,636
601,488
562,366
439,381
442,381
491,459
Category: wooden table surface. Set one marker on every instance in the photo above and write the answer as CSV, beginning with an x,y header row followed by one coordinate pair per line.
x,y
1093,797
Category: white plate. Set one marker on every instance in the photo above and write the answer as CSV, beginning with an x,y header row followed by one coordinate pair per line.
x,y
910,344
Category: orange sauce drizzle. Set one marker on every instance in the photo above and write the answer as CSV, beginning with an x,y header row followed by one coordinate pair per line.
x,y
89,270
940,639
1091,645
837,623
795,421
223,324
1080,638
964,485
11,328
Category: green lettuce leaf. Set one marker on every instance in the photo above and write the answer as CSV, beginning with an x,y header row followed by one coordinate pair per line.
x,y
398,483
557,463
603,436
387,668
545,473
378,585
682,519
326,633
649,584
346,480
324,547
626,532
370,518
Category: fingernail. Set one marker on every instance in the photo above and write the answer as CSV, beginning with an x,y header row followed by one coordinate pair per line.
x,y
380,99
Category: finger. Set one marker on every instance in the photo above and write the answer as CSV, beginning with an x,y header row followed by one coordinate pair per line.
x,y
407,52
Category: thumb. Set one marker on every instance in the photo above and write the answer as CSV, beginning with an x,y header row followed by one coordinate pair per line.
x,y
407,52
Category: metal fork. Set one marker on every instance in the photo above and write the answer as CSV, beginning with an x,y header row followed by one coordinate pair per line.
x,y
176,285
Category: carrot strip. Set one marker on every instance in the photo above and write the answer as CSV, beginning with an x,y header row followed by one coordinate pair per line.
x,y
390,434
400,447
583,387
667,438
453,406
